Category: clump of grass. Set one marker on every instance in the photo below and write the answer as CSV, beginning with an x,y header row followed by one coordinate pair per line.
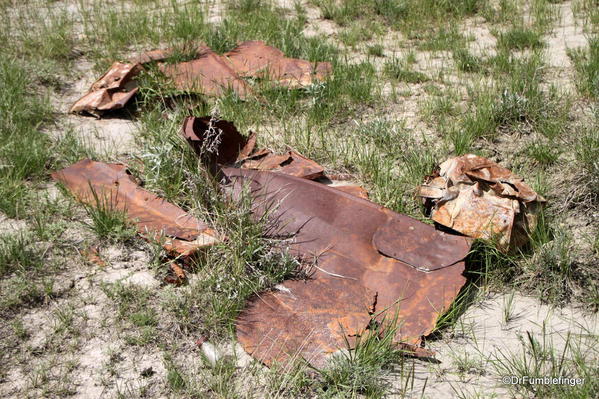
x,y
519,38
586,63
361,369
107,220
18,254
543,153
466,61
538,356
587,155
446,38
400,70
376,50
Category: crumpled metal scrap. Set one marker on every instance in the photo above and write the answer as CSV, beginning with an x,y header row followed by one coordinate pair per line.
x,y
222,144
370,263
477,197
209,74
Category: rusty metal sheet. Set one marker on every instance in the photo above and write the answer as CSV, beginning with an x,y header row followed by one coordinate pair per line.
x,y
256,59
289,163
113,90
349,188
208,74
218,139
350,238
98,183
223,144
481,199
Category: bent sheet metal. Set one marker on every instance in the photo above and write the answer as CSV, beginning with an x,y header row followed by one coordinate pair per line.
x,y
110,185
208,73
369,260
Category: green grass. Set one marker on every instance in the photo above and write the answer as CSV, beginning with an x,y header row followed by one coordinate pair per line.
x,y
586,63
519,39
361,370
399,70
538,356
107,220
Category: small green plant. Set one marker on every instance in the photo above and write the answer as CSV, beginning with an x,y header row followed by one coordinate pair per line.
x,y
376,50
360,370
18,254
466,61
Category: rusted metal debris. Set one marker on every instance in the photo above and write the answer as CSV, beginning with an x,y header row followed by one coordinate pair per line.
x,y
222,144
111,185
209,74
112,91
479,198
371,262
256,59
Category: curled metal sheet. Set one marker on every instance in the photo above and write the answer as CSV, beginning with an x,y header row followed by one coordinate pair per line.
x,y
478,198
110,185
289,163
222,143
371,262
218,139
112,91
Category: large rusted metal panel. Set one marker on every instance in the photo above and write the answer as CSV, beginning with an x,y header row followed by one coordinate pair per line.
x,y
386,261
110,185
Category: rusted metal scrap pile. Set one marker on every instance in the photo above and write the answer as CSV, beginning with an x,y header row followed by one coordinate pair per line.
x,y
481,199
209,74
370,262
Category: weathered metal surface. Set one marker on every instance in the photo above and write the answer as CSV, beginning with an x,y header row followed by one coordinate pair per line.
x,y
209,74
221,142
110,185
353,278
112,91
256,59
289,163
217,139
477,197
352,189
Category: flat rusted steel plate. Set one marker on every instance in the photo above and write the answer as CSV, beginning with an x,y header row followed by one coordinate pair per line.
x,y
409,266
110,185
256,59
208,74
113,90
481,199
